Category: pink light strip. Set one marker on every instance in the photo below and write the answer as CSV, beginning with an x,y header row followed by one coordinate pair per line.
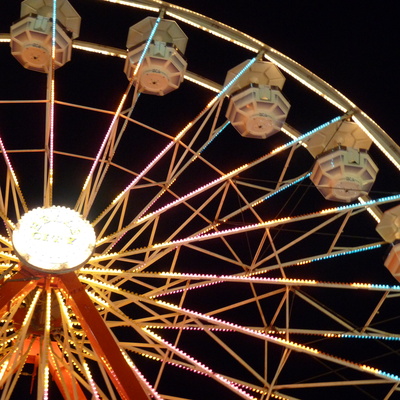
x,y
122,102
238,328
265,224
170,205
245,278
8,162
13,175
106,137
51,73
140,376
196,371
203,368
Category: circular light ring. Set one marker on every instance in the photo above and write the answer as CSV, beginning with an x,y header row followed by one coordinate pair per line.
x,y
53,240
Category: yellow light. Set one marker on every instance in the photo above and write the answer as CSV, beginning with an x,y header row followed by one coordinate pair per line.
x,y
374,211
99,50
219,34
306,82
91,381
215,88
3,368
136,5
31,308
361,285
381,147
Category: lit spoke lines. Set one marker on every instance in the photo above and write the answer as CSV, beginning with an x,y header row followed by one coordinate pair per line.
x,y
202,368
169,146
112,128
84,196
50,114
12,182
262,225
257,268
214,279
233,327
117,201
223,325
165,187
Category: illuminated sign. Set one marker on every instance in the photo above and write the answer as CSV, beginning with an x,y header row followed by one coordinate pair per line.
x,y
54,239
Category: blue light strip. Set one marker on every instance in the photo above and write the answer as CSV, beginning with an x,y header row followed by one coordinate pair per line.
x,y
146,47
375,337
342,253
309,133
370,202
385,287
53,28
216,133
233,81
284,187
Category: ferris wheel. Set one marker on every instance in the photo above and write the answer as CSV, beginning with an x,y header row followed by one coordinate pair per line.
x,y
176,228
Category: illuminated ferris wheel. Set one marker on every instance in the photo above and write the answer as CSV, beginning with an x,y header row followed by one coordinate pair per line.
x,y
176,230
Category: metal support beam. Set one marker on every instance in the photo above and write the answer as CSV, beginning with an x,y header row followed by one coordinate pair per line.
x,y
19,284
102,340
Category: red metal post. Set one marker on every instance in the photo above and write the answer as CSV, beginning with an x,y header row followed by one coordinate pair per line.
x,y
101,339
19,284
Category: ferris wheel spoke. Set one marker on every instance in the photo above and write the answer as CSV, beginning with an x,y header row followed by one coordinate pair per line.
x,y
176,170
153,324
50,115
160,250
19,284
122,230
64,377
109,152
105,147
17,356
14,367
111,131
180,282
224,180
11,185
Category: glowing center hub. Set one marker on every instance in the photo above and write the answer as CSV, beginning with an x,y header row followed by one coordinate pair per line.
x,y
55,239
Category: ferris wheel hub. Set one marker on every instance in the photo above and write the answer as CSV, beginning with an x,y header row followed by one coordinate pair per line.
x,y
53,240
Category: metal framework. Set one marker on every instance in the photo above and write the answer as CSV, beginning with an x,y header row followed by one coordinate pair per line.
x,y
219,270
